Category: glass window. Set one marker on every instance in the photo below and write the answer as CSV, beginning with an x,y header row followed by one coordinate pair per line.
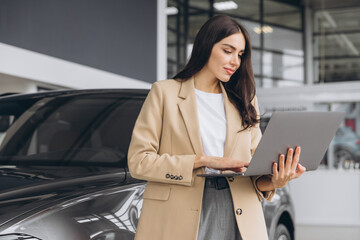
x,y
284,40
171,50
282,66
337,70
251,28
255,57
274,83
340,19
336,45
201,4
195,23
257,82
278,43
171,36
249,9
283,58
282,14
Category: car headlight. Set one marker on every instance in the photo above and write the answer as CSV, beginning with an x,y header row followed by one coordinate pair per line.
x,y
19,236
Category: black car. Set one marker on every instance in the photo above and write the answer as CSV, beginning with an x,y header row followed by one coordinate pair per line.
x,y
63,168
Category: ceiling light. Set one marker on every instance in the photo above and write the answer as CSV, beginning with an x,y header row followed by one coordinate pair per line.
x,y
267,29
264,29
257,30
224,6
171,11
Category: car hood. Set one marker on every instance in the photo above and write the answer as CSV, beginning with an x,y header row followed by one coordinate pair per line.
x,y
24,189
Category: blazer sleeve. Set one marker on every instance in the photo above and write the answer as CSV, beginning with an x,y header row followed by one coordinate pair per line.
x,y
144,160
255,139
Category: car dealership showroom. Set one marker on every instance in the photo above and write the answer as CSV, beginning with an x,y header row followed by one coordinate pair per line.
x,y
75,74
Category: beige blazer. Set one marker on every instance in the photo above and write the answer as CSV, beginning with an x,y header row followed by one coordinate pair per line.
x,y
164,143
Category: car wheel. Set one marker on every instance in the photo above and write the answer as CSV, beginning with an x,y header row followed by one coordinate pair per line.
x,y
282,233
342,156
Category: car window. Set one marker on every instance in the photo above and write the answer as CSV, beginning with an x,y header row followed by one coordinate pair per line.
x,y
339,133
263,123
5,122
91,130
9,112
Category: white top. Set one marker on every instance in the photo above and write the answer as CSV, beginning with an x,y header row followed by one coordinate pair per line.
x,y
212,121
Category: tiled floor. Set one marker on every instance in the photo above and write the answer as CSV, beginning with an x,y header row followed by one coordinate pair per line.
x,y
327,233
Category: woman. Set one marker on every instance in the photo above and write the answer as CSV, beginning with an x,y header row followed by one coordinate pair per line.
x,y
205,119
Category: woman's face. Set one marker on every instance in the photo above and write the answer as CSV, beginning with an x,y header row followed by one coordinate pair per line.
x,y
225,57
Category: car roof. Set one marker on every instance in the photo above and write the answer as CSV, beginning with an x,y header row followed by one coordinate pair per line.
x,y
64,93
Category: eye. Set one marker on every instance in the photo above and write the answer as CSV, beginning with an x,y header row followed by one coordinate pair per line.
x,y
227,51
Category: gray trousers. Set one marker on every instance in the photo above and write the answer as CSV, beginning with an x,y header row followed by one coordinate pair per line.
x,y
217,221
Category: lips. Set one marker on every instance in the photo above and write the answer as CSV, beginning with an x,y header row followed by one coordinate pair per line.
x,y
229,71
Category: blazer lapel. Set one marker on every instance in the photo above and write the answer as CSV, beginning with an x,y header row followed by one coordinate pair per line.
x,y
189,113
233,124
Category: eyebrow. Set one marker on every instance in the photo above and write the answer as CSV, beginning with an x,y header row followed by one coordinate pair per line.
x,y
232,47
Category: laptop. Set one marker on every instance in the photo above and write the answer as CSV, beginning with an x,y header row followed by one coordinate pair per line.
x,y
312,131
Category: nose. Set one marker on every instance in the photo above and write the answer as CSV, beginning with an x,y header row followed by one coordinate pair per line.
x,y
235,61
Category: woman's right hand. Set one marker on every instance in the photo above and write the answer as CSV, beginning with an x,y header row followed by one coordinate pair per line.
x,y
220,163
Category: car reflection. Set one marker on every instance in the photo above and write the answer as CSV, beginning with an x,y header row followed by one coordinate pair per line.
x,y
346,148
124,216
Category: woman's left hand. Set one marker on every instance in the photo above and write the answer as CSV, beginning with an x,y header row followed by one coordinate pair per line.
x,y
288,169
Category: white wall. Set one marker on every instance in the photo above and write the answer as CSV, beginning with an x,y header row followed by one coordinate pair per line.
x,y
161,40
38,67
329,92
327,204
10,84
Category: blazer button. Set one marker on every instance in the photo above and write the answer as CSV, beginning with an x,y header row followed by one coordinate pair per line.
x,y
231,179
180,177
177,178
167,175
172,176
238,211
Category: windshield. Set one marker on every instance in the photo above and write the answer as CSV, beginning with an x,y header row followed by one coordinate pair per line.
x,y
81,130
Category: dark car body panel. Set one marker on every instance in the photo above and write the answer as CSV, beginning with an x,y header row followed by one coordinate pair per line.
x,y
71,207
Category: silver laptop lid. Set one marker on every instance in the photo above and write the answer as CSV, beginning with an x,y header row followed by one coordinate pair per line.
x,y
313,131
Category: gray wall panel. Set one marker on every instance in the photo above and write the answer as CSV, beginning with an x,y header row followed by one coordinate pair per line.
x,y
118,36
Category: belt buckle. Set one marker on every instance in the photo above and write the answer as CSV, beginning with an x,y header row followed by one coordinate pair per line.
x,y
221,183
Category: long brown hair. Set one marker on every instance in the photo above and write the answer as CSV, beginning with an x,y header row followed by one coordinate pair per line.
x,y
241,86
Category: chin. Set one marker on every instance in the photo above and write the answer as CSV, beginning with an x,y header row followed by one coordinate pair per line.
x,y
224,79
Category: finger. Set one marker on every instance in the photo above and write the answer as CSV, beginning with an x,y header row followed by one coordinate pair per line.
x,y
296,158
301,170
281,165
243,169
236,165
235,169
275,171
244,164
289,160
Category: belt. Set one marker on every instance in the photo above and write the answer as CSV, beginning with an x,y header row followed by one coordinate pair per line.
x,y
216,182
